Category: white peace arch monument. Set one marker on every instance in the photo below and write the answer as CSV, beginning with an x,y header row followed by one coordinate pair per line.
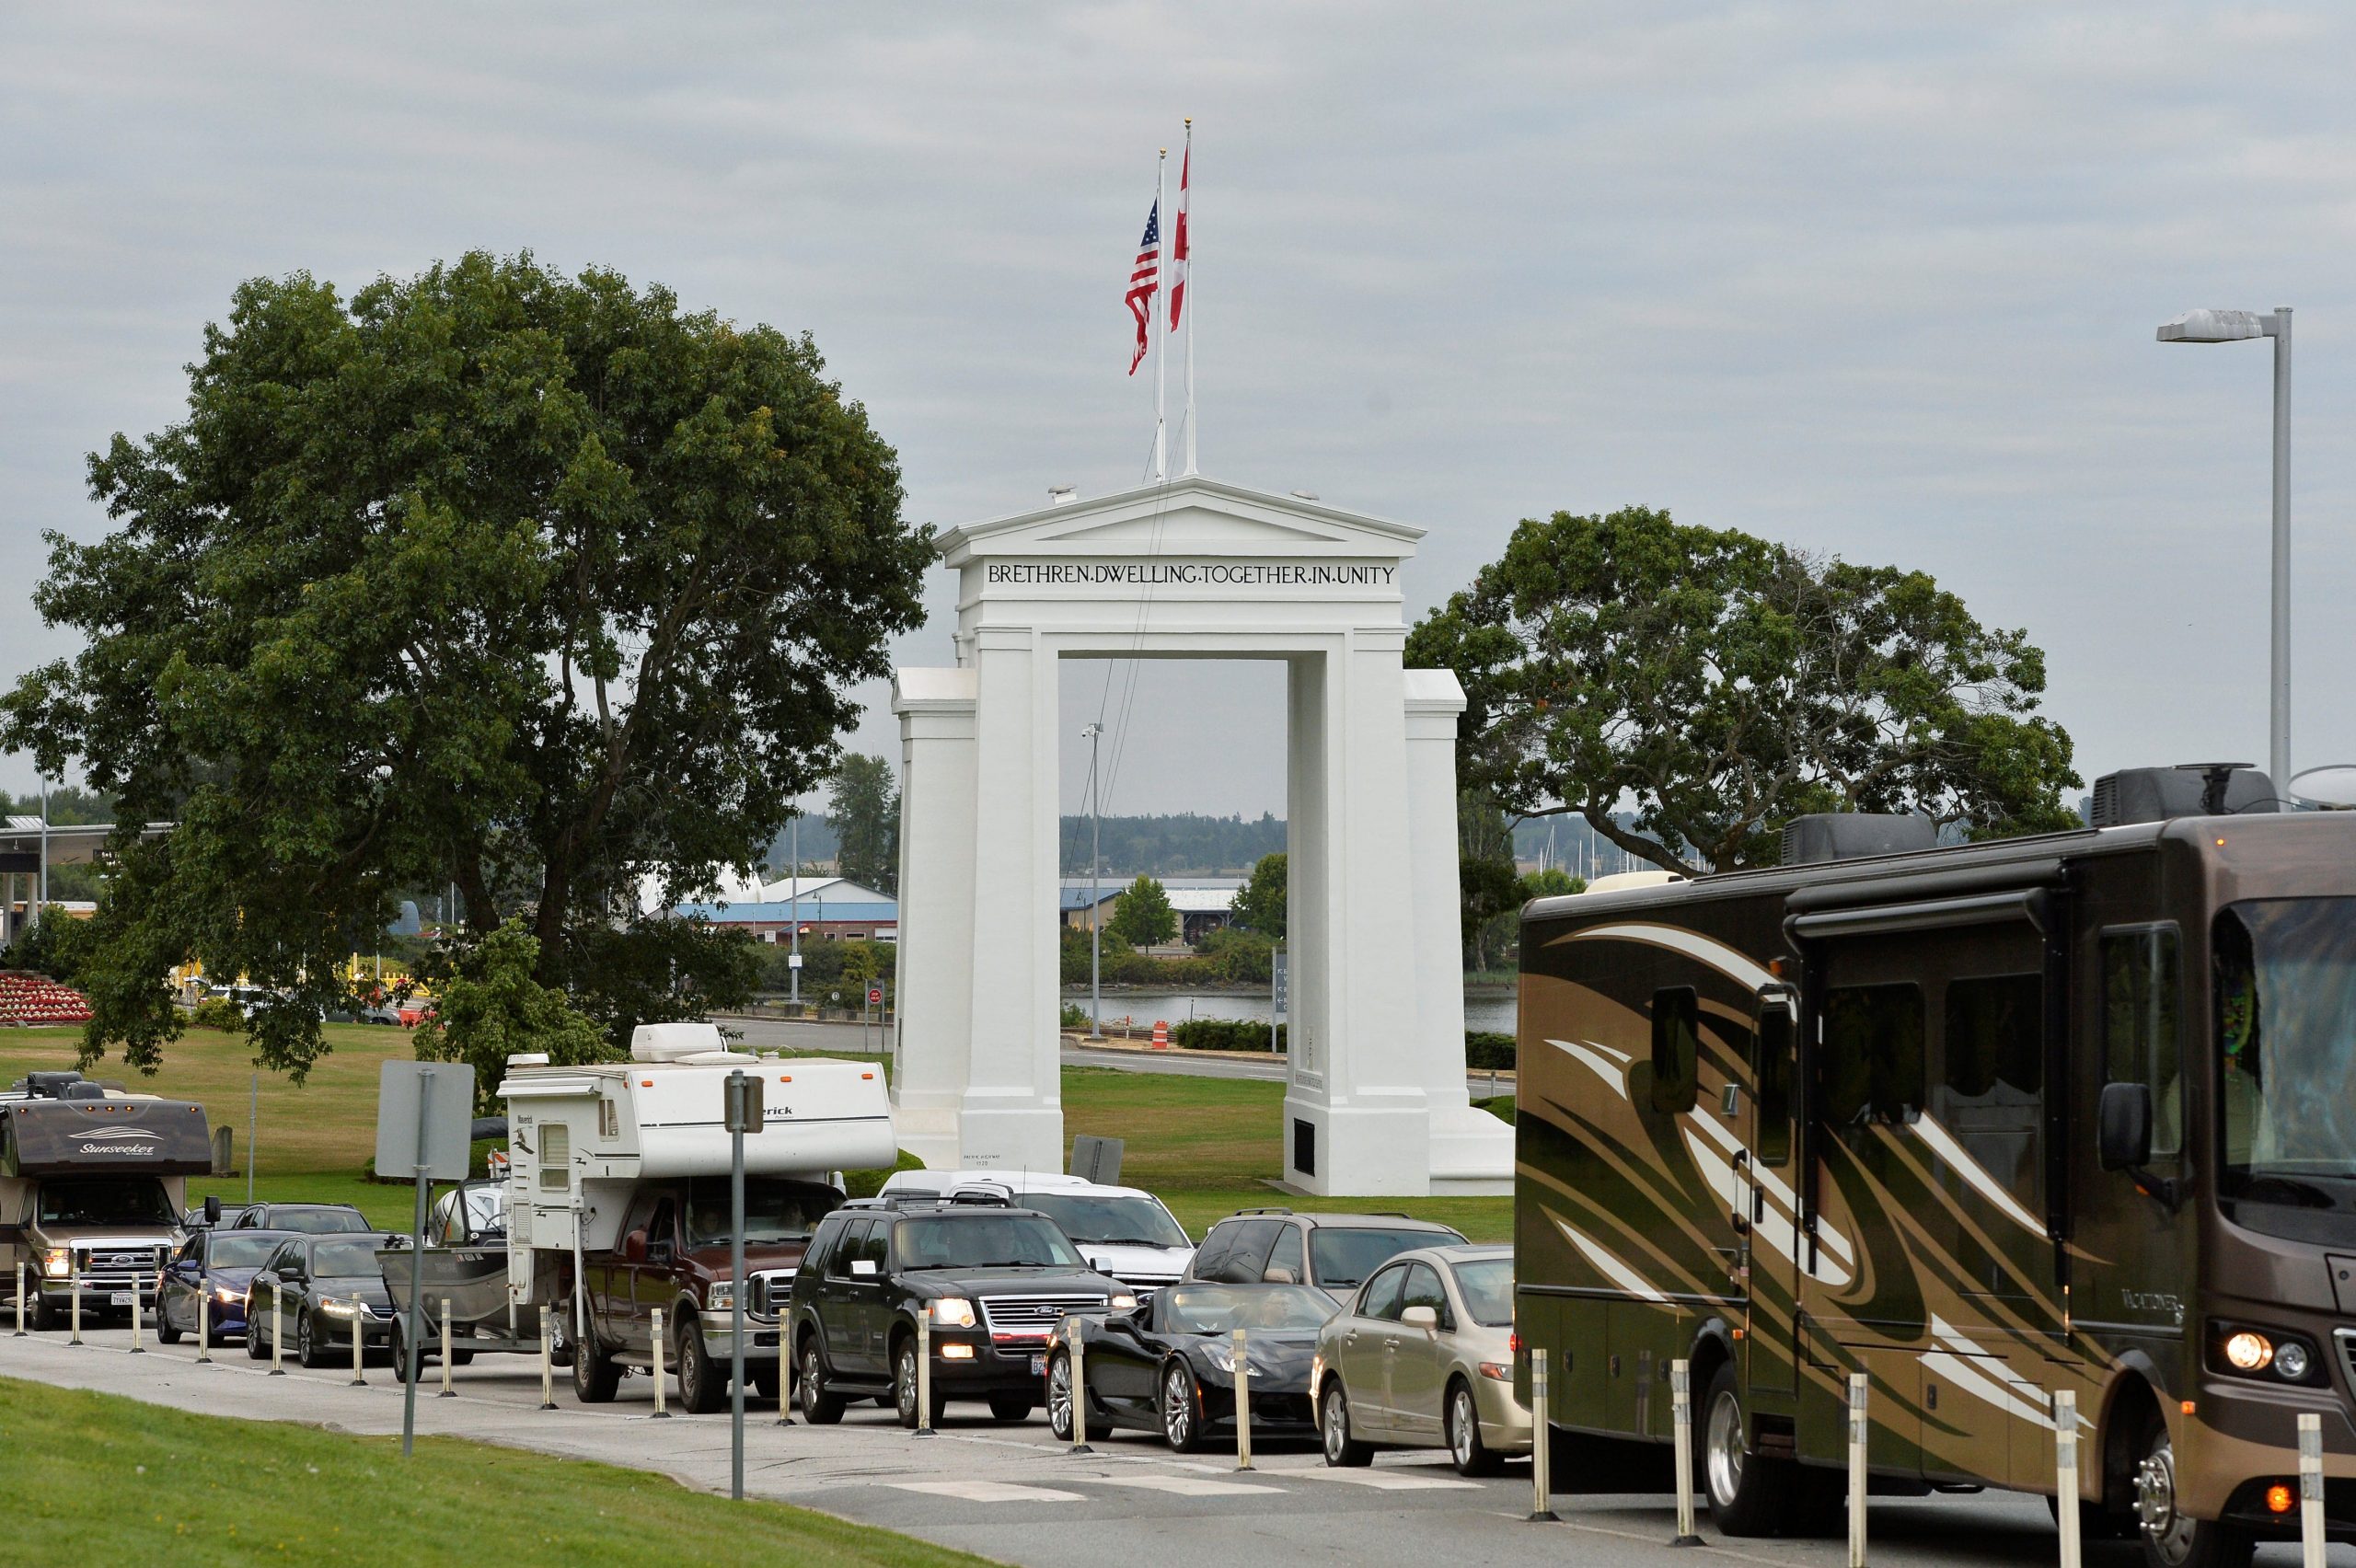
x,y
1375,1100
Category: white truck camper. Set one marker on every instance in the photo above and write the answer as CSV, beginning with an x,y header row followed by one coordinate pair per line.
x,y
582,1140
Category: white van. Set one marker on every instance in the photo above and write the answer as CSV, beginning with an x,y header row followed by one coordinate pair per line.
x,y
1122,1231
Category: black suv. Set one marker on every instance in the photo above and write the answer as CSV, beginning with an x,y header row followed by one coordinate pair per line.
x,y
996,1280
1336,1252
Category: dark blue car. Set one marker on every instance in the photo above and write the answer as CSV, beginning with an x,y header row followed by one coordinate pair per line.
x,y
218,1263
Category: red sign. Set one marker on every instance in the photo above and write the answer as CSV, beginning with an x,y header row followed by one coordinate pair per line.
x,y
874,997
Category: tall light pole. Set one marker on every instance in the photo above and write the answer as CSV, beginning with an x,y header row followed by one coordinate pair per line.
x,y
2232,326
793,917
1092,734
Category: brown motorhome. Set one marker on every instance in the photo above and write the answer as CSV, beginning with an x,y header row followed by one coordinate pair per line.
x,y
1984,1122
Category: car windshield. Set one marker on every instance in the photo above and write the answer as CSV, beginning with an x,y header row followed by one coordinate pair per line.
x,y
1110,1222
775,1209
1222,1308
318,1221
345,1260
1341,1256
982,1242
105,1200
2286,1048
1488,1290
230,1250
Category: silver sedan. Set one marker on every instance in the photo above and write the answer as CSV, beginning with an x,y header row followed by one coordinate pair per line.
x,y
1421,1356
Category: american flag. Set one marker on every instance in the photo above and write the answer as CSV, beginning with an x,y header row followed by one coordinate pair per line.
x,y
1178,247
1143,279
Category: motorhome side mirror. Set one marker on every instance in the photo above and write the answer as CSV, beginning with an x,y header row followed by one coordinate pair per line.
x,y
634,1247
1425,1317
862,1268
2123,1122
213,1208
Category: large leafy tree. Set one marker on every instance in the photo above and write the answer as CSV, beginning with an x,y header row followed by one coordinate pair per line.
x,y
864,811
1142,915
1723,683
1261,902
542,585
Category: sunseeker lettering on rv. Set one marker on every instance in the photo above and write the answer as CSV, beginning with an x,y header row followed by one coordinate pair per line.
x,y
1193,573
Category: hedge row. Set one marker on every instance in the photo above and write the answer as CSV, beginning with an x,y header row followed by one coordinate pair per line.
x,y
1485,1050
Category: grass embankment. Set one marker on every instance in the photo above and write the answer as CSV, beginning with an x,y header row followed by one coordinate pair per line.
x,y
160,1485
1204,1144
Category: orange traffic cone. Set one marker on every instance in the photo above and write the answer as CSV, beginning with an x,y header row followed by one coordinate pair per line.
x,y
1161,1035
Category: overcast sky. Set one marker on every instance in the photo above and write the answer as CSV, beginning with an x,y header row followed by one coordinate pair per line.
x,y
1877,279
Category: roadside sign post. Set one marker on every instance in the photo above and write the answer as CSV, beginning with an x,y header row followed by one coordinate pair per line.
x,y
2310,1484
424,1111
660,1378
73,1283
137,1348
742,1115
547,1364
924,1371
1857,1429
204,1322
1078,1390
2065,1475
277,1340
1541,1456
360,1348
1681,1384
448,1392
1279,994
1242,1402
20,1301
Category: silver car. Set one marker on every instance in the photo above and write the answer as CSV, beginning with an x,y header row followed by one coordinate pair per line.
x,y
1421,1356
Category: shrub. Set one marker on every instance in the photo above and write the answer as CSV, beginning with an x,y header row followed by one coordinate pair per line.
x,y
1224,1035
867,1183
1075,1016
1500,1107
1488,1051
219,1012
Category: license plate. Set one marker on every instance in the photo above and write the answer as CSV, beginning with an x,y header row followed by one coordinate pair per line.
x,y
122,1298
1038,1367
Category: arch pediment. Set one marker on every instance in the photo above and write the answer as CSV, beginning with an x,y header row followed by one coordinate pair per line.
x,y
1189,517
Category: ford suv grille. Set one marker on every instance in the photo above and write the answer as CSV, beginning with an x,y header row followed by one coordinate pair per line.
x,y
1031,1317
126,1262
2347,1338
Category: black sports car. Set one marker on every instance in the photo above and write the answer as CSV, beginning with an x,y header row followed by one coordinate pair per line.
x,y
1168,1366
327,1289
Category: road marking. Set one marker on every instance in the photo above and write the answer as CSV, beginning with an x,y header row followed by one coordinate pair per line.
x,y
985,1491
1389,1481
1186,1485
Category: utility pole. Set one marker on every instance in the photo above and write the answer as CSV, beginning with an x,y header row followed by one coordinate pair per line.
x,y
793,899
1095,898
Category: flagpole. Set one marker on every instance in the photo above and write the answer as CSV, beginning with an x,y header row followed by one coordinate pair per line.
x,y
1193,304
1160,358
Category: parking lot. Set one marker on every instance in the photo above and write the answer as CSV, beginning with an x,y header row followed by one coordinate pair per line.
x,y
1011,1492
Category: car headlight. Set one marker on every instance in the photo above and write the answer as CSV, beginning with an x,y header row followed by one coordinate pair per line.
x,y
2247,1349
1122,1302
954,1312
228,1296
1221,1356
722,1296
339,1308
55,1264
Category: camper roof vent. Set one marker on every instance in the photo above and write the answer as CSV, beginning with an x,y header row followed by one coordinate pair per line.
x,y
2194,789
528,1059
675,1042
54,1086
1851,836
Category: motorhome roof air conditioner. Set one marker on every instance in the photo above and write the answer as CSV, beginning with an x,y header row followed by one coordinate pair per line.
x,y
2200,789
1851,836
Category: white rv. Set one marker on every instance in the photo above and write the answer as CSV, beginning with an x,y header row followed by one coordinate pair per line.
x,y
618,1178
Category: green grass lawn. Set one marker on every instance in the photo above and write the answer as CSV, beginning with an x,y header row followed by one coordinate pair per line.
x,y
1204,1144
160,1485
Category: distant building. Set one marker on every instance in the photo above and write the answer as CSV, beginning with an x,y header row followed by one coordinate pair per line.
x,y
829,907
1201,904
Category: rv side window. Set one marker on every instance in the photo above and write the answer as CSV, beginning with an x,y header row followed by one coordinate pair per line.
x,y
1772,1099
1873,1054
1990,1092
609,1119
2140,1030
1677,1017
556,1157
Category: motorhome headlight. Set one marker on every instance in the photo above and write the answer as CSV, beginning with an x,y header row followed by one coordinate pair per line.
x,y
2291,1361
2253,1350
1122,1302
55,1264
954,1312
2248,1351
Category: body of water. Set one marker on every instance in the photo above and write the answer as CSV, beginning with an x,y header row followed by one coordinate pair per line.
x,y
1489,1009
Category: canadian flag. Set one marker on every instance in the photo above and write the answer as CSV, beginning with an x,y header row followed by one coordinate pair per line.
x,y
1178,247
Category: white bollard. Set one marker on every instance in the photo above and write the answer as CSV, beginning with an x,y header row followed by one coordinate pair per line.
x,y
73,1283
137,1348
1680,1387
1857,1470
448,1392
2311,1533
204,1320
1542,1508
277,1340
2065,1475
1078,1390
924,1371
20,1299
359,1340
660,1414
548,1364
1242,1402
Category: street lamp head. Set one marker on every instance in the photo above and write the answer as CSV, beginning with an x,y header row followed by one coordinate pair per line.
x,y
1090,732
2216,327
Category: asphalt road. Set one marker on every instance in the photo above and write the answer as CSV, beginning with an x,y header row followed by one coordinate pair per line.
x,y
777,1034
1011,1492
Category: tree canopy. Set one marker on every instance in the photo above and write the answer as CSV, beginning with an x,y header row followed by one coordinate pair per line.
x,y
1723,684
540,585
864,812
1260,905
1142,915
487,1008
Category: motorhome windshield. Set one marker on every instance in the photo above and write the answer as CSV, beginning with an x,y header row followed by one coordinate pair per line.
x,y
104,1200
775,1209
2285,987
1109,1221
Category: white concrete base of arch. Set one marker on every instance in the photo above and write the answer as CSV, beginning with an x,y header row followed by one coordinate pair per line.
x,y
1375,1100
